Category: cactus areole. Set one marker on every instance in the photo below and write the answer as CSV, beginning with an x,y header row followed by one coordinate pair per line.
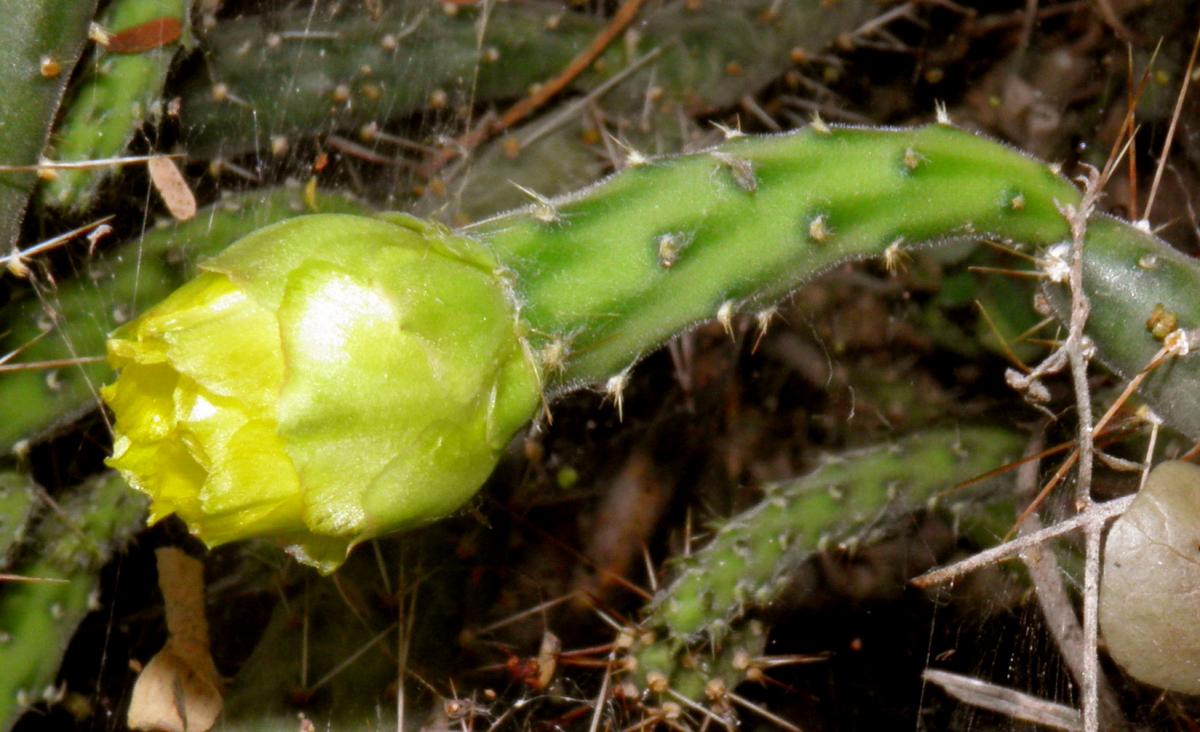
x,y
332,378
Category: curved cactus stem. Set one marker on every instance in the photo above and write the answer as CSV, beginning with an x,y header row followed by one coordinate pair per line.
x,y
73,320
851,500
118,94
1129,276
40,41
762,215
38,618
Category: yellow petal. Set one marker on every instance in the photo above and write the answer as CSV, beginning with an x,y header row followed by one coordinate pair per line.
x,y
164,470
142,400
226,342
252,489
207,422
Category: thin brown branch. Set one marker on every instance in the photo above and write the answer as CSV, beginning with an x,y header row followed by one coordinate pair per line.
x,y
547,91
1162,161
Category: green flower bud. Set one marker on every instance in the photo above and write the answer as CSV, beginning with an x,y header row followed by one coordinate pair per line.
x,y
324,380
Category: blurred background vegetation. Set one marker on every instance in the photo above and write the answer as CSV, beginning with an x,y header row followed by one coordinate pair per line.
x,y
505,615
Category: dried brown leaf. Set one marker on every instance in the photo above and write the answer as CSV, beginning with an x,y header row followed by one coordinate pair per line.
x,y
179,689
172,187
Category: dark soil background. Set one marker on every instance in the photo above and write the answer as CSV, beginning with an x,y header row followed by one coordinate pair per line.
x,y
854,358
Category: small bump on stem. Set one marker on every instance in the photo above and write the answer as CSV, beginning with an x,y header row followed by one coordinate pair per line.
x,y
670,246
543,208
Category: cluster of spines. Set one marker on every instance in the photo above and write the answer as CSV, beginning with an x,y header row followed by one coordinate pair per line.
x,y
18,502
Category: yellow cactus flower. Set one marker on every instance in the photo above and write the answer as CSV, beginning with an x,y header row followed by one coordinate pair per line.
x,y
323,381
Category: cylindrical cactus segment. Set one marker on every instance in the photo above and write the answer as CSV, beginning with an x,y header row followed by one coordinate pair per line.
x,y
850,500
1141,292
706,59
264,82
38,618
618,268
74,319
40,40
119,93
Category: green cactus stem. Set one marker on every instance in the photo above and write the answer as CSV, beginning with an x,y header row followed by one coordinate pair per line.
x,y
1140,291
40,41
667,668
37,619
74,319
606,274
850,501
265,82
119,93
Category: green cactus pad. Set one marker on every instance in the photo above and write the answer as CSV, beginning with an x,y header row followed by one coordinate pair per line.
x,y
40,40
119,93
37,619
